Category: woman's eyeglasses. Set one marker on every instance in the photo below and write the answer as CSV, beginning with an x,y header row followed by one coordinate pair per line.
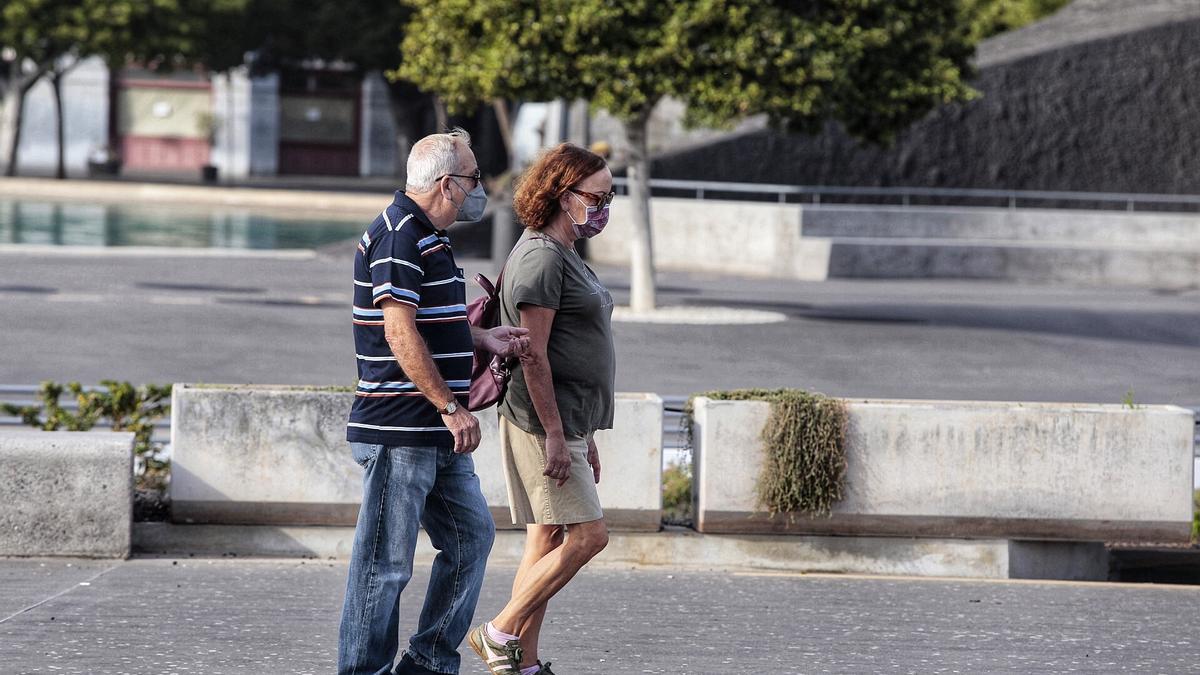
x,y
603,199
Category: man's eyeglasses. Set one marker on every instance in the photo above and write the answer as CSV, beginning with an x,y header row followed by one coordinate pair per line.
x,y
475,176
603,199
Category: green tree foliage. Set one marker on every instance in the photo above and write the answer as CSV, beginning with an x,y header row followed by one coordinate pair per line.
x,y
875,66
364,33
49,38
992,17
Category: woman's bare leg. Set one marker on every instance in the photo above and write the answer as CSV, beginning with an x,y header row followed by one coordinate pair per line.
x,y
540,540
549,574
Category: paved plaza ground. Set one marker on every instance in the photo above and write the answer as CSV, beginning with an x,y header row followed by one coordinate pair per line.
x,y
171,318
269,616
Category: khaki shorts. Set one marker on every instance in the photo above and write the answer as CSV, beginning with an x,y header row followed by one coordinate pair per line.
x,y
537,499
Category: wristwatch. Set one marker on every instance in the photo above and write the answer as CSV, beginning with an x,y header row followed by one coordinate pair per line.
x,y
450,409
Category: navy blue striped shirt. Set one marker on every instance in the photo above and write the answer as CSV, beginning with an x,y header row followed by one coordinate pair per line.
x,y
401,256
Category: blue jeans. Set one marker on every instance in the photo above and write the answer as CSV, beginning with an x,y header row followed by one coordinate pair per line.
x,y
404,487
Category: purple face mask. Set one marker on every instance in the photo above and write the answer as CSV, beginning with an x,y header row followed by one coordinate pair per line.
x,y
594,223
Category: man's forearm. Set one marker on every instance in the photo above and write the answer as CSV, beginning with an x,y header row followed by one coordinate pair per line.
x,y
415,360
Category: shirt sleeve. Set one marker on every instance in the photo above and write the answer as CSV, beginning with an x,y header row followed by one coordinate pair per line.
x,y
396,271
538,279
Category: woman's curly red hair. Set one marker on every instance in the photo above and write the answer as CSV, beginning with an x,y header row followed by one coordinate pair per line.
x,y
538,189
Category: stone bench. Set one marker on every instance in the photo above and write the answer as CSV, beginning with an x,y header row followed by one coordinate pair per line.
x,y
278,456
67,493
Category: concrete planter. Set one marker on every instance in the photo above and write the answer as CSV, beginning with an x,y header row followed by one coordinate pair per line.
x,y
630,459
66,493
278,456
969,469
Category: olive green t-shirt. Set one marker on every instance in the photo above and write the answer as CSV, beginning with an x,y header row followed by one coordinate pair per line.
x,y
542,272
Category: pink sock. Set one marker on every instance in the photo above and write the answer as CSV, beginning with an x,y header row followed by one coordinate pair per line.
x,y
498,635
531,669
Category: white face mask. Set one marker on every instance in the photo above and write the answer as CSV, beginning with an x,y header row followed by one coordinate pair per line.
x,y
473,206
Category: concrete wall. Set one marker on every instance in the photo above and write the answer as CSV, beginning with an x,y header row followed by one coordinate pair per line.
x,y
85,121
748,238
278,455
66,493
969,469
814,243
978,224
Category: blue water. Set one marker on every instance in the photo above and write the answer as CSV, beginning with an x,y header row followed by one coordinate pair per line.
x,y
103,225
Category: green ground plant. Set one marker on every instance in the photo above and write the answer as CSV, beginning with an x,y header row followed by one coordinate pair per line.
x,y
804,438
677,495
1196,517
121,405
1128,400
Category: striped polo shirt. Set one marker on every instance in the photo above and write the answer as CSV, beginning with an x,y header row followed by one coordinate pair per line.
x,y
401,256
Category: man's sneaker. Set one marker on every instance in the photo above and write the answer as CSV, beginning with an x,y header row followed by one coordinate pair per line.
x,y
544,668
501,659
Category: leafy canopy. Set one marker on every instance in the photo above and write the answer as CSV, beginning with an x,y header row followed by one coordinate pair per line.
x,y
874,65
155,32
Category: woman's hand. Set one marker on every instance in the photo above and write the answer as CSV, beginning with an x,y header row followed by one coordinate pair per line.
x,y
558,459
593,457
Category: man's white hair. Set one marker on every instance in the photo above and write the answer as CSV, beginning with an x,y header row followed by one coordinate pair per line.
x,y
433,157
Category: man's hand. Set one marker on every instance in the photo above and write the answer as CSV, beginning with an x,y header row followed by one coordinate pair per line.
x,y
506,341
465,428
558,459
593,457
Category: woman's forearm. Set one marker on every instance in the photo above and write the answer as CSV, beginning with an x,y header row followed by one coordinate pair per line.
x,y
540,382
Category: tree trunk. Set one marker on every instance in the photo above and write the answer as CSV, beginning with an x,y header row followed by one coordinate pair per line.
x,y
14,105
439,112
19,84
642,292
504,225
8,115
60,170
406,105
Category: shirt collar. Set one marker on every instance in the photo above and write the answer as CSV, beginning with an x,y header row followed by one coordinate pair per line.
x,y
408,205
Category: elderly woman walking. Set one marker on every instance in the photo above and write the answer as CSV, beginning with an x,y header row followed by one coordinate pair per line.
x,y
560,394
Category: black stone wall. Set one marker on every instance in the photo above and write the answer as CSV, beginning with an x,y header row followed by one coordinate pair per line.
x,y
1118,114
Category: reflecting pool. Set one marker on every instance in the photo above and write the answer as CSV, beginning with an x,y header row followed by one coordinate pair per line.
x,y
84,224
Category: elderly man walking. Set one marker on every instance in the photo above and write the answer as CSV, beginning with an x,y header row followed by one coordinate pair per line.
x,y
408,428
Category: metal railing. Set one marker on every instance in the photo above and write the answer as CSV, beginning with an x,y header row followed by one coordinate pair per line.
x,y
911,196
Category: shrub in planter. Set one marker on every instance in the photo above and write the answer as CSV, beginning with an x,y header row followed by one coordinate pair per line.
x,y
804,466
